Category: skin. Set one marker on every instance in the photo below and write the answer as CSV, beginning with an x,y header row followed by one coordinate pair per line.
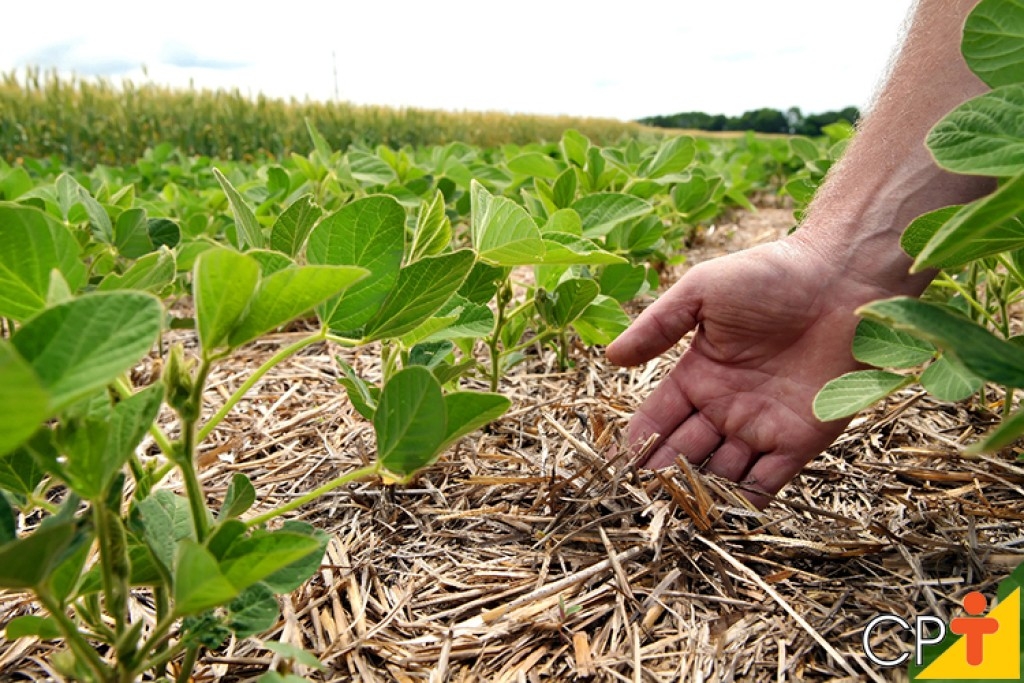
x,y
775,323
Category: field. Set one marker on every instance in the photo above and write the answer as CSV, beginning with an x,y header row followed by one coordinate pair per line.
x,y
340,411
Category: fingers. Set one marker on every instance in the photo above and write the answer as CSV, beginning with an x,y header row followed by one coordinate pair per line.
x,y
769,474
695,439
660,326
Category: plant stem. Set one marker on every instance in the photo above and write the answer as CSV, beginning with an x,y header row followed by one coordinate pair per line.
x,y
163,609
74,637
194,489
114,585
354,475
278,357
187,664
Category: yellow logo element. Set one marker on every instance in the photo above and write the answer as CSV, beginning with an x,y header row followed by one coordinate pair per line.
x,y
988,647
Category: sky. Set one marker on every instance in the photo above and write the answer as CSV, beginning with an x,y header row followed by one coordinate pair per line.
x,y
625,60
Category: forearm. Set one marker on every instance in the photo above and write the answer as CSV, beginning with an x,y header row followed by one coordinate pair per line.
x,y
888,177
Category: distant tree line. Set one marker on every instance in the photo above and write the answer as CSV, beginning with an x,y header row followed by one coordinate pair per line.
x,y
763,120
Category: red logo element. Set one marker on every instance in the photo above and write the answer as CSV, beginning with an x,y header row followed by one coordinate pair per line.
x,y
974,628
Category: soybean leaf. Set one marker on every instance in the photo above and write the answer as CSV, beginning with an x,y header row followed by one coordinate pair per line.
x,y
673,155
59,291
623,281
563,221
369,169
923,228
601,322
470,410
71,193
163,232
77,347
369,233
24,403
975,347
566,249
1004,435
20,472
948,380
472,322
321,148
993,43
854,391
239,497
166,521
151,273
66,577
8,521
289,293
563,192
223,284
422,288
291,576
199,583
289,651
884,347
574,146
250,234
254,611
602,211
224,536
44,628
535,165
410,421
27,562
433,229
362,396
481,284
983,136
569,300
270,261
502,232
984,227
293,226
253,559
131,234
33,245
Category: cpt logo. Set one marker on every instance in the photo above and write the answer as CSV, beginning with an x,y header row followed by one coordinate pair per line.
x,y
988,646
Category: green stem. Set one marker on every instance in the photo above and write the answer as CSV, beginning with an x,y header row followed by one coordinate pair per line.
x,y
492,343
114,586
354,475
194,489
187,664
278,357
970,297
163,609
539,339
74,637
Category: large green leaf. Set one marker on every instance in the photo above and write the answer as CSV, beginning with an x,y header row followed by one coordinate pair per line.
x,y
564,249
254,611
33,245
27,561
993,43
602,211
433,230
502,231
470,410
983,136
289,293
250,234
293,575
948,380
166,521
79,346
984,227
884,347
980,351
534,164
567,302
673,156
223,284
410,421
1002,436
293,226
855,391
422,288
923,228
151,273
623,281
249,560
24,403
20,472
199,583
369,233
601,322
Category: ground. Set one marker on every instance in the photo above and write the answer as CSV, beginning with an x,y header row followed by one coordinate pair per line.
x,y
522,556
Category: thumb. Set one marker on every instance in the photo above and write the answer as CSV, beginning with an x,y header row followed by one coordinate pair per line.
x,y
659,327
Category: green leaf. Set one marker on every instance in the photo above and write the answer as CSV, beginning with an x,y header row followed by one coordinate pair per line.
x,y
249,560
199,584
369,233
362,396
601,322
80,346
293,226
223,284
602,211
482,283
502,232
28,561
568,301
923,228
563,192
470,410
239,497
433,229
534,164
44,628
984,227
565,249
623,281
270,261
290,577
166,521
8,520
574,147
321,149
300,656
151,273
24,403
422,288
131,234
254,611
33,245
983,136
289,293
1008,431
369,169
20,472
976,348
948,380
163,232
250,234
673,156
884,347
993,43
473,321
410,422
854,391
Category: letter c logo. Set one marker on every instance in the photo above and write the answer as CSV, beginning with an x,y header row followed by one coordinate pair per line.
x,y
866,640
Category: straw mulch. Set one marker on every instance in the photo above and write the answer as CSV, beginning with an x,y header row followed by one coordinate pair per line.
x,y
522,556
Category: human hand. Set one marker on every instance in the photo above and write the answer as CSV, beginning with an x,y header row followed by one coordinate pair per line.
x,y
774,323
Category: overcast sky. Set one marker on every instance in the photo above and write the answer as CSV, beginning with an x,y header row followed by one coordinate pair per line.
x,y
627,59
